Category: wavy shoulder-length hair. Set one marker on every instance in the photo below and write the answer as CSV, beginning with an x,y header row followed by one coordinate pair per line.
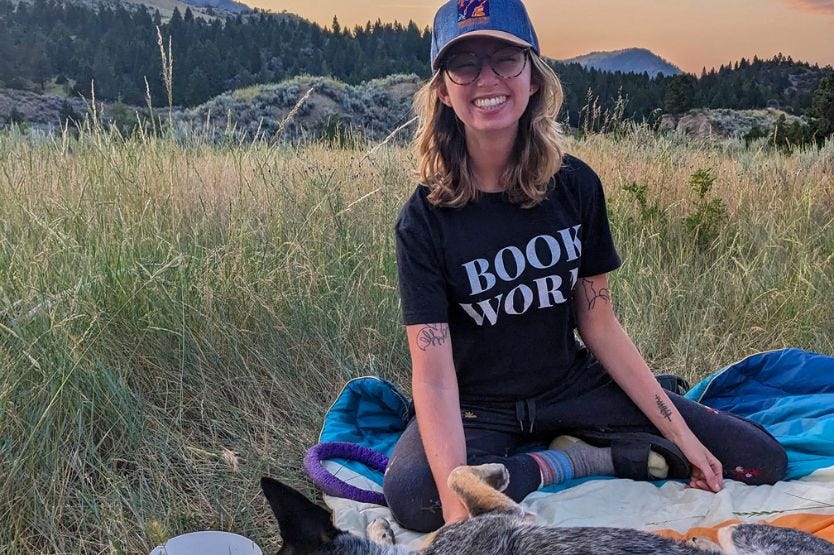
x,y
537,154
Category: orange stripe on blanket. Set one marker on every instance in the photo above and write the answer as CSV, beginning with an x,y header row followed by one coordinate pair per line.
x,y
821,526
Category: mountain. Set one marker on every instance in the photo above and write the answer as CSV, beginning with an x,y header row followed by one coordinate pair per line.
x,y
225,5
201,8
630,60
206,9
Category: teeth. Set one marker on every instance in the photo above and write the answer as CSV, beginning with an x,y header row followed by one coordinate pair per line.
x,y
489,102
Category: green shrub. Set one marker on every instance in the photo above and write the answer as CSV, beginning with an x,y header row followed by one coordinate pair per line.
x,y
706,222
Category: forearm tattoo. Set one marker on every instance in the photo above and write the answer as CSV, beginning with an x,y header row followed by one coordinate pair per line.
x,y
592,295
432,335
665,412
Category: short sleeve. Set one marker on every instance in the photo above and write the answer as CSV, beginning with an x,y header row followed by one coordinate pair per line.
x,y
599,255
420,274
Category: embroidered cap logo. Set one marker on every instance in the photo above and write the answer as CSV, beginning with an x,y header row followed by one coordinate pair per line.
x,y
472,12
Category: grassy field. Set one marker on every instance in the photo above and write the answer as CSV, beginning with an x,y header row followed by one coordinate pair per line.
x,y
175,320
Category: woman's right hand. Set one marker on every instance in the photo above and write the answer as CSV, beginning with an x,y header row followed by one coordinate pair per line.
x,y
706,468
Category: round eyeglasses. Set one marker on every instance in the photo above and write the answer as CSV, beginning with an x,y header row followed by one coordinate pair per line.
x,y
464,68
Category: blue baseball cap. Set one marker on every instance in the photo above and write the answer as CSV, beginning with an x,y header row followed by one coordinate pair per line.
x,y
502,19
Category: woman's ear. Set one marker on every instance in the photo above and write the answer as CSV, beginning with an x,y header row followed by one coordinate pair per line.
x,y
443,94
534,87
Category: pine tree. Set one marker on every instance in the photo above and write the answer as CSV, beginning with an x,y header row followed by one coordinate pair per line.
x,y
822,108
197,88
41,69
680,95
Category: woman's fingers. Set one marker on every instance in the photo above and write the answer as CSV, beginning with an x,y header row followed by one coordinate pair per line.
x,y
706,473
706,468
699,484
718,472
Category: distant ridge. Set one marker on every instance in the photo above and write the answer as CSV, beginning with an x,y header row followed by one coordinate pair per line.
x,y
225,5
629,60
202,8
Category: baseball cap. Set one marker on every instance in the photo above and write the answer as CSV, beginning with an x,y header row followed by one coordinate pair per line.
x,y
502,19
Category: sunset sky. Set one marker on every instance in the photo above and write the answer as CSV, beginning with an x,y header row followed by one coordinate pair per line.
x,y
689,33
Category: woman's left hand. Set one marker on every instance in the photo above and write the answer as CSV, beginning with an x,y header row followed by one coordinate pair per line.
x,y
707,473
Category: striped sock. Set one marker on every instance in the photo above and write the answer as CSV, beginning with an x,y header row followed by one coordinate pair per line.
x,y
575,461
554,466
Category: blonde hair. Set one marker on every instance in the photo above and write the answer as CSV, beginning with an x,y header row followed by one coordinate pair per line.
x,y
537,154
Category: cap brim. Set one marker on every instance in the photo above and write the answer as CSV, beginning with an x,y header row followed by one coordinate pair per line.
x,y
501,35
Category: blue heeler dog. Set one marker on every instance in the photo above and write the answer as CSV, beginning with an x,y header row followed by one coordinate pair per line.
x,y
500,526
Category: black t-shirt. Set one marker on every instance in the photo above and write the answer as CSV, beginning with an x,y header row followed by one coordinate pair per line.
x,y
502,276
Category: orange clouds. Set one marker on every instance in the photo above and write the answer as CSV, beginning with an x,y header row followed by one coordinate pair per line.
x,y
813,6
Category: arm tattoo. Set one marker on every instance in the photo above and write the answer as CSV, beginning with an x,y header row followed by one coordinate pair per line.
x,y
432,335
664,410
591,294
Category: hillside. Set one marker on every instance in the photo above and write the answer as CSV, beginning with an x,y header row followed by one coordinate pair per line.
x,y
704,123
373,109
224,5
332,110
629,60
164,7
42,112
780,82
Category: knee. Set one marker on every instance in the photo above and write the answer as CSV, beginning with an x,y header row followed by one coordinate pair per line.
x,y
525,476
412,496
768,464
778,467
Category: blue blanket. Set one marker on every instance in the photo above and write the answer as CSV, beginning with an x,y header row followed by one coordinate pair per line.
x,y
790,392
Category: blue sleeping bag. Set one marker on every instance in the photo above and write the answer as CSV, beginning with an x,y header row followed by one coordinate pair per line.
x,y
790,392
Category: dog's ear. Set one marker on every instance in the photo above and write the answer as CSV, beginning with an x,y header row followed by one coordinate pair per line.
x,y
304,525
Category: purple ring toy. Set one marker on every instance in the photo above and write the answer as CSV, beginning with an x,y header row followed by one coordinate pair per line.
x,y
330,484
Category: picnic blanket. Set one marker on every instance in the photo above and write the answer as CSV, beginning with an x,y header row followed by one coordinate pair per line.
x,y
789,391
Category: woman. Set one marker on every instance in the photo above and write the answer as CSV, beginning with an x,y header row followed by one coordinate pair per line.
x,y
503,251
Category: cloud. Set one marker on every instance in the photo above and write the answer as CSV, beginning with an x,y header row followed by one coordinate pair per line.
x,y
813,6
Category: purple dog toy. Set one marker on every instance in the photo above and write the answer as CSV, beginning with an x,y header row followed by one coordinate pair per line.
x,y
331,485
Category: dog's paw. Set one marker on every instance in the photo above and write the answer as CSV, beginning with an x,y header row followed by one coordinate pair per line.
x,y
494,474
379,531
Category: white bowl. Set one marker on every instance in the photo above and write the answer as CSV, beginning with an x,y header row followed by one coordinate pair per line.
x,y
208,543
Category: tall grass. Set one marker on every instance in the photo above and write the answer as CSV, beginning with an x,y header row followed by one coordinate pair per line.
x,y
175,319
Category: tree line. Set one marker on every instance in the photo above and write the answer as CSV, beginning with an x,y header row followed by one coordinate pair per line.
x,y
58,46
50,42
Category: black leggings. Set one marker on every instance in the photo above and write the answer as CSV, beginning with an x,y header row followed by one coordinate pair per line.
x,y
493,433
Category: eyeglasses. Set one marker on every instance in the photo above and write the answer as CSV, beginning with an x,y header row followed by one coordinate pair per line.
x,y
465,67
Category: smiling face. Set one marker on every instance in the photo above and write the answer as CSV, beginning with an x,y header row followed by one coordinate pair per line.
x,y
491,105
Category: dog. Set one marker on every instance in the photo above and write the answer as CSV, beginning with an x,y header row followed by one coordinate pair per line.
x,y
498,525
